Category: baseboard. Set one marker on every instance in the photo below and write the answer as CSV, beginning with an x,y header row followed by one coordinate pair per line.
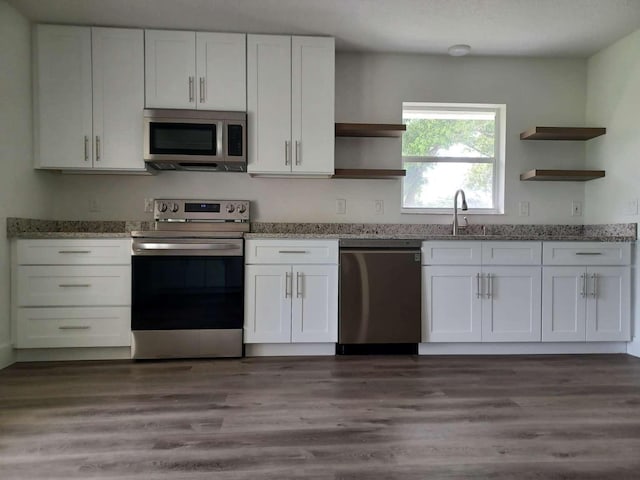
x,y
633,348
70,354
7,356
520,348
288,349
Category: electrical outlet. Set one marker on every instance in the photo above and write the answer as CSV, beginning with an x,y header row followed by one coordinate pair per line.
x,y
94,206
379,207
576,209
632,207
148,205
523,209
341,206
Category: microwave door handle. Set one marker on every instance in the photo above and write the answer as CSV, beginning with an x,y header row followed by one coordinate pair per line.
x,y
221,144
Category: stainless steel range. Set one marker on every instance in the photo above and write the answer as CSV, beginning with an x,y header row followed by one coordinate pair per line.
x,y
188,280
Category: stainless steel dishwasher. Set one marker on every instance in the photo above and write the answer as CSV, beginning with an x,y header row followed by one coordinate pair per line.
x,y
380,296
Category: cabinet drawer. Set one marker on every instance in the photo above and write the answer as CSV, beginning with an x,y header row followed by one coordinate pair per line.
x,y
291,251
454,252
586,253
43,286
101,251
511,253
73,327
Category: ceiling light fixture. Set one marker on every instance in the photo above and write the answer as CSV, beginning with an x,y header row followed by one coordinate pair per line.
x,y
459,50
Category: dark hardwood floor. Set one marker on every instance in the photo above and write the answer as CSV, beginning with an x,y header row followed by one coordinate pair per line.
x,y
529,417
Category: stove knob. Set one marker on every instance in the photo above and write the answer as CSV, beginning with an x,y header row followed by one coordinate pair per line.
x,y
242,208
230,208
162,207
175,207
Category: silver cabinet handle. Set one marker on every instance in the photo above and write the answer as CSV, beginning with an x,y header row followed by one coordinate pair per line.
x,y
86,148
588,253
489,285
583,290
298,285
97,148
594,277
74,285
287,285
298,159
201,89
287,151
478,293
72,327
191,80
292,251
74,251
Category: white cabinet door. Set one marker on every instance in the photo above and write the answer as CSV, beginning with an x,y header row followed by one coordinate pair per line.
x,y
608,304
269,103
62,96
315,304
118,98
564,304
512,304
312,104
170,69
221,64
452,304
268,290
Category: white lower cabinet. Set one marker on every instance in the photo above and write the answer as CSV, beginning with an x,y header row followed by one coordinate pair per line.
x,y
471,304
291,303
477,291
589,303
70,293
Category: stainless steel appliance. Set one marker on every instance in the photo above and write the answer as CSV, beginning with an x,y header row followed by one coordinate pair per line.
x,y
195,140
380,296
188,280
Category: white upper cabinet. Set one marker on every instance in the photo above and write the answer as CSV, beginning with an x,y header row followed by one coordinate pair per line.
x,y
290,105
88,98
170,69
222,71
195,70
118,93
62,96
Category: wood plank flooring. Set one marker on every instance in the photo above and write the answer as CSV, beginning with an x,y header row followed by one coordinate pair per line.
x,y
342,418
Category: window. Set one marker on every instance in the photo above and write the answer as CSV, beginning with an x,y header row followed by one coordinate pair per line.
x,y
451,146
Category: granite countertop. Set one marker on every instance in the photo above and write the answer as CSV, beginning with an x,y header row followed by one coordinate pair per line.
x,y
619,232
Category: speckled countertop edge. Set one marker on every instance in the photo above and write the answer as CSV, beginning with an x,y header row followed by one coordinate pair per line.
x,y
620,232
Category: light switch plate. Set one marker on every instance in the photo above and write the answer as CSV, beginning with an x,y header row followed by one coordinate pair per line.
x,y
576,209
523,209
148,205
94,206
341,206
632,207
379,207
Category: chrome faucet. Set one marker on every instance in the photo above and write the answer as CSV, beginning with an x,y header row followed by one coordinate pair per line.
x,y
464,207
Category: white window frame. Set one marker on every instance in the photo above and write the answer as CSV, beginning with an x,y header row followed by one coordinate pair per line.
x,y
498,159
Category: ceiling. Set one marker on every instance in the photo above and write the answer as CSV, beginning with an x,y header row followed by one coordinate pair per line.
x,y
544,28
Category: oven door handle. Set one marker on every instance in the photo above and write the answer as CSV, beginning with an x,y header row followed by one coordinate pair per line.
x,y
140,247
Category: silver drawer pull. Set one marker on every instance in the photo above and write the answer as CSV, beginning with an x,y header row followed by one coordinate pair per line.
x,y
588,253
72,327
184,246
292,251
74,251
74,285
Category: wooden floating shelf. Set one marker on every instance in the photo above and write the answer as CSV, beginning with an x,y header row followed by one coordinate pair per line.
x,y
562,133
561,175
368,173
369,129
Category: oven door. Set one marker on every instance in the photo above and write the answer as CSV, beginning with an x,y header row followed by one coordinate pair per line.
x,y
187,285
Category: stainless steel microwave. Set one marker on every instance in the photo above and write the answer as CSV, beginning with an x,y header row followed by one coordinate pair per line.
x,y
195,140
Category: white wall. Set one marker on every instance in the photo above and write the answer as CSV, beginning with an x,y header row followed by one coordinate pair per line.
x,y
23,192
371,88
613,98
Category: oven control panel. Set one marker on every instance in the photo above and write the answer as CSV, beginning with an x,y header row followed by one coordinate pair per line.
x,y
178,210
